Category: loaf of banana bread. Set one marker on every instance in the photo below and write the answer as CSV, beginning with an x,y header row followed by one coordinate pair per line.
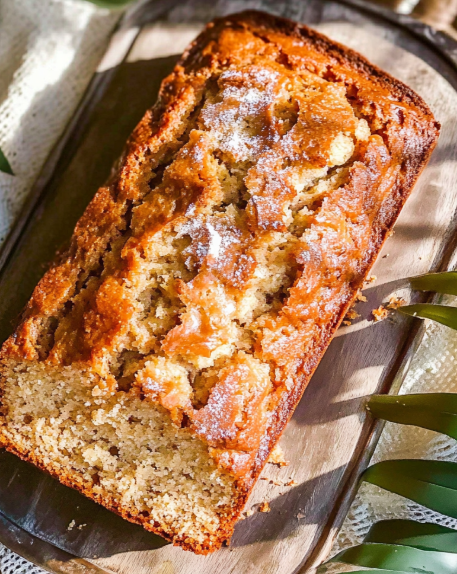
x,y
159,360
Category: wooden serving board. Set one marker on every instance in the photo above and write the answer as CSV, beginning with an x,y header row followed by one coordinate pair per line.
x,y
330,437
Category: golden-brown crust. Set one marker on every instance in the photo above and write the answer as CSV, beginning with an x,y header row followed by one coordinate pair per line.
x,y
298,48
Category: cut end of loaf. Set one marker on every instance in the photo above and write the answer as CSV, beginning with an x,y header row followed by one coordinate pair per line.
x,y
126,454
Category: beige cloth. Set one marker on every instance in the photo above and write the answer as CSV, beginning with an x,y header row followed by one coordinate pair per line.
x,y
49,50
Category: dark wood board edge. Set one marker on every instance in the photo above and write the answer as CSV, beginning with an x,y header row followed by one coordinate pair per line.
x,y
365,450
367,445
439,41
43,554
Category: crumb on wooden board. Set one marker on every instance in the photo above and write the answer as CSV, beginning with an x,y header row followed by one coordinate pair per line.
x,y
247,514
382,312
275,482
352,314
277,457
395,302
360,297
264,507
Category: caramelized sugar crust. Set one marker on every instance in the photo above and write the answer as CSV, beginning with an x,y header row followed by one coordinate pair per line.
x,y
207,277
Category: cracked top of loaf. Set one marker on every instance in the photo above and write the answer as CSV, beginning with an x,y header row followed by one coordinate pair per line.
x,y
208,275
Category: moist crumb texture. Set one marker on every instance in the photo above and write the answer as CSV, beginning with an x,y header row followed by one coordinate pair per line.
x,y
159,360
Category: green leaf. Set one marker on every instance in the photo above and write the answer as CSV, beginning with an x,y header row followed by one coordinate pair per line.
x,y
110,3
5,164
432,483
424,536
439,282
404,546
440,313
398,558
434,411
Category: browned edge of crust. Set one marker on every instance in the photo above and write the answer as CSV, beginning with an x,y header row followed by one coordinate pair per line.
x,y
352,61
322,44
290,402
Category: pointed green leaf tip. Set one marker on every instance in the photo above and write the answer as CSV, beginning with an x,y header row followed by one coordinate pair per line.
x,y
439,313
4,164
110,3
433,411
431,483
438,282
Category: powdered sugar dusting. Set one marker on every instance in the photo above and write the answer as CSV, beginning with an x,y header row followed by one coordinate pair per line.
x,y
236,412
237,122
262,150
220,245
215,242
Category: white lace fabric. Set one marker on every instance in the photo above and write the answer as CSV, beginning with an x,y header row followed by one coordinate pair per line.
x,y
11,563
49,50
